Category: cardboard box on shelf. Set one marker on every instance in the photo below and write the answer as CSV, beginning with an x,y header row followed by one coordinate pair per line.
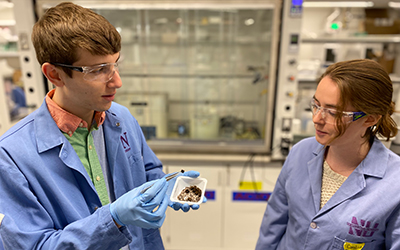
x,y
378,21
376,13
373,27
386,63
387,58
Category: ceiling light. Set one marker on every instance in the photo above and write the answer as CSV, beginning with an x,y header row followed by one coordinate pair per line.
x,y
395,5
249,22
339,4
6,5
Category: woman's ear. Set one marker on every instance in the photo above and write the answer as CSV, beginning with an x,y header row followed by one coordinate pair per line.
x,y
52,73
372,120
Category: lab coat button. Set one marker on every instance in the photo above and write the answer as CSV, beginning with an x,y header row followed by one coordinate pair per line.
x,y
313,225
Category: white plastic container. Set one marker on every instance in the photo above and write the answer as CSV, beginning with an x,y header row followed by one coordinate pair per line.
x,y
184,181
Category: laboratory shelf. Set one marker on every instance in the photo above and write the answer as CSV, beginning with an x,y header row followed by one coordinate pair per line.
x,y
395,79
214,76
353,39
7,22
9,54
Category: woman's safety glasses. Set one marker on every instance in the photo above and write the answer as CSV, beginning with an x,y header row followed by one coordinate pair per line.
x,y
329,115
102,72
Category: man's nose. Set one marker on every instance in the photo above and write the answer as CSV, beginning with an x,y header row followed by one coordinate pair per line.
x,y
115,80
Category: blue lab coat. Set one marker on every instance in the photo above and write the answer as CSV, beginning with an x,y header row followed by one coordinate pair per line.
x,y
48,198
365,209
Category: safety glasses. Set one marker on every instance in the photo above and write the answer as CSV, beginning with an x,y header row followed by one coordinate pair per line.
x,y
329,115
102,72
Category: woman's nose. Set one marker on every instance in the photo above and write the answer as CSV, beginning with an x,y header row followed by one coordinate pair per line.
x,y
318,116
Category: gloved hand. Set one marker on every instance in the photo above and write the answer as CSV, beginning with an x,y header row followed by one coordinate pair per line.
x,y
176,205
185,207
135,208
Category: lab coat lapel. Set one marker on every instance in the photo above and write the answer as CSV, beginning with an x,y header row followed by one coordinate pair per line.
x,y
112,131
373,165
314,175
71,159
354,184
49,136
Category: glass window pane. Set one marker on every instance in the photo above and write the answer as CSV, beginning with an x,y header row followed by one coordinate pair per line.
x,y
196,74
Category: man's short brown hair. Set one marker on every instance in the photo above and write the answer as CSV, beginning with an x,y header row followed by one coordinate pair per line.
x,y
67,27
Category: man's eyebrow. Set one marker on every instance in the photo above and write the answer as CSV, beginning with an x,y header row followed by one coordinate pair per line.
x,y
326,105
119,57
105,62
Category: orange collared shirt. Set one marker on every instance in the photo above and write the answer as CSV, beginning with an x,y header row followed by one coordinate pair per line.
x,y
67,122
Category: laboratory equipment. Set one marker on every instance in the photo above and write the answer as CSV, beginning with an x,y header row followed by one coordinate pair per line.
x,y
204,126
287,80
149,109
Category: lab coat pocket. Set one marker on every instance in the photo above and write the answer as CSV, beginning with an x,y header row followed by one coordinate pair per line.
x,y
339,243
135,158
152,239
136,168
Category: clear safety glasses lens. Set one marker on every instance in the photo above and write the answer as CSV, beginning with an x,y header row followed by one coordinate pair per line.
x,y
101,73
329,115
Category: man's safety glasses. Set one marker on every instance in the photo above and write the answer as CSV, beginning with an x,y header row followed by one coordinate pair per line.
x,y
102,72
329,115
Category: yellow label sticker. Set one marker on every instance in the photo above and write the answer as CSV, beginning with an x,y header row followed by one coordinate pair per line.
x,y
353,246
250,185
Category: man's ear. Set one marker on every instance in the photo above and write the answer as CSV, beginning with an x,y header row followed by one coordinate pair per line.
x,y
53,74
372,120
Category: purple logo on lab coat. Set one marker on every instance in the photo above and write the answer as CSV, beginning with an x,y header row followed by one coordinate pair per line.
x,y
362,227
125,143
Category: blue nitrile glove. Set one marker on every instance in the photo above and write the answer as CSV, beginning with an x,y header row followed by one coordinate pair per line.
x,y
176,205
135,208
185,207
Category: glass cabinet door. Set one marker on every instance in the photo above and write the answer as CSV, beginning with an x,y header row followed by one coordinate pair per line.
x,y
197,78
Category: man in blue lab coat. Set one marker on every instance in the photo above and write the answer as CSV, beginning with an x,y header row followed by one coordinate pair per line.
x,y
73,171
